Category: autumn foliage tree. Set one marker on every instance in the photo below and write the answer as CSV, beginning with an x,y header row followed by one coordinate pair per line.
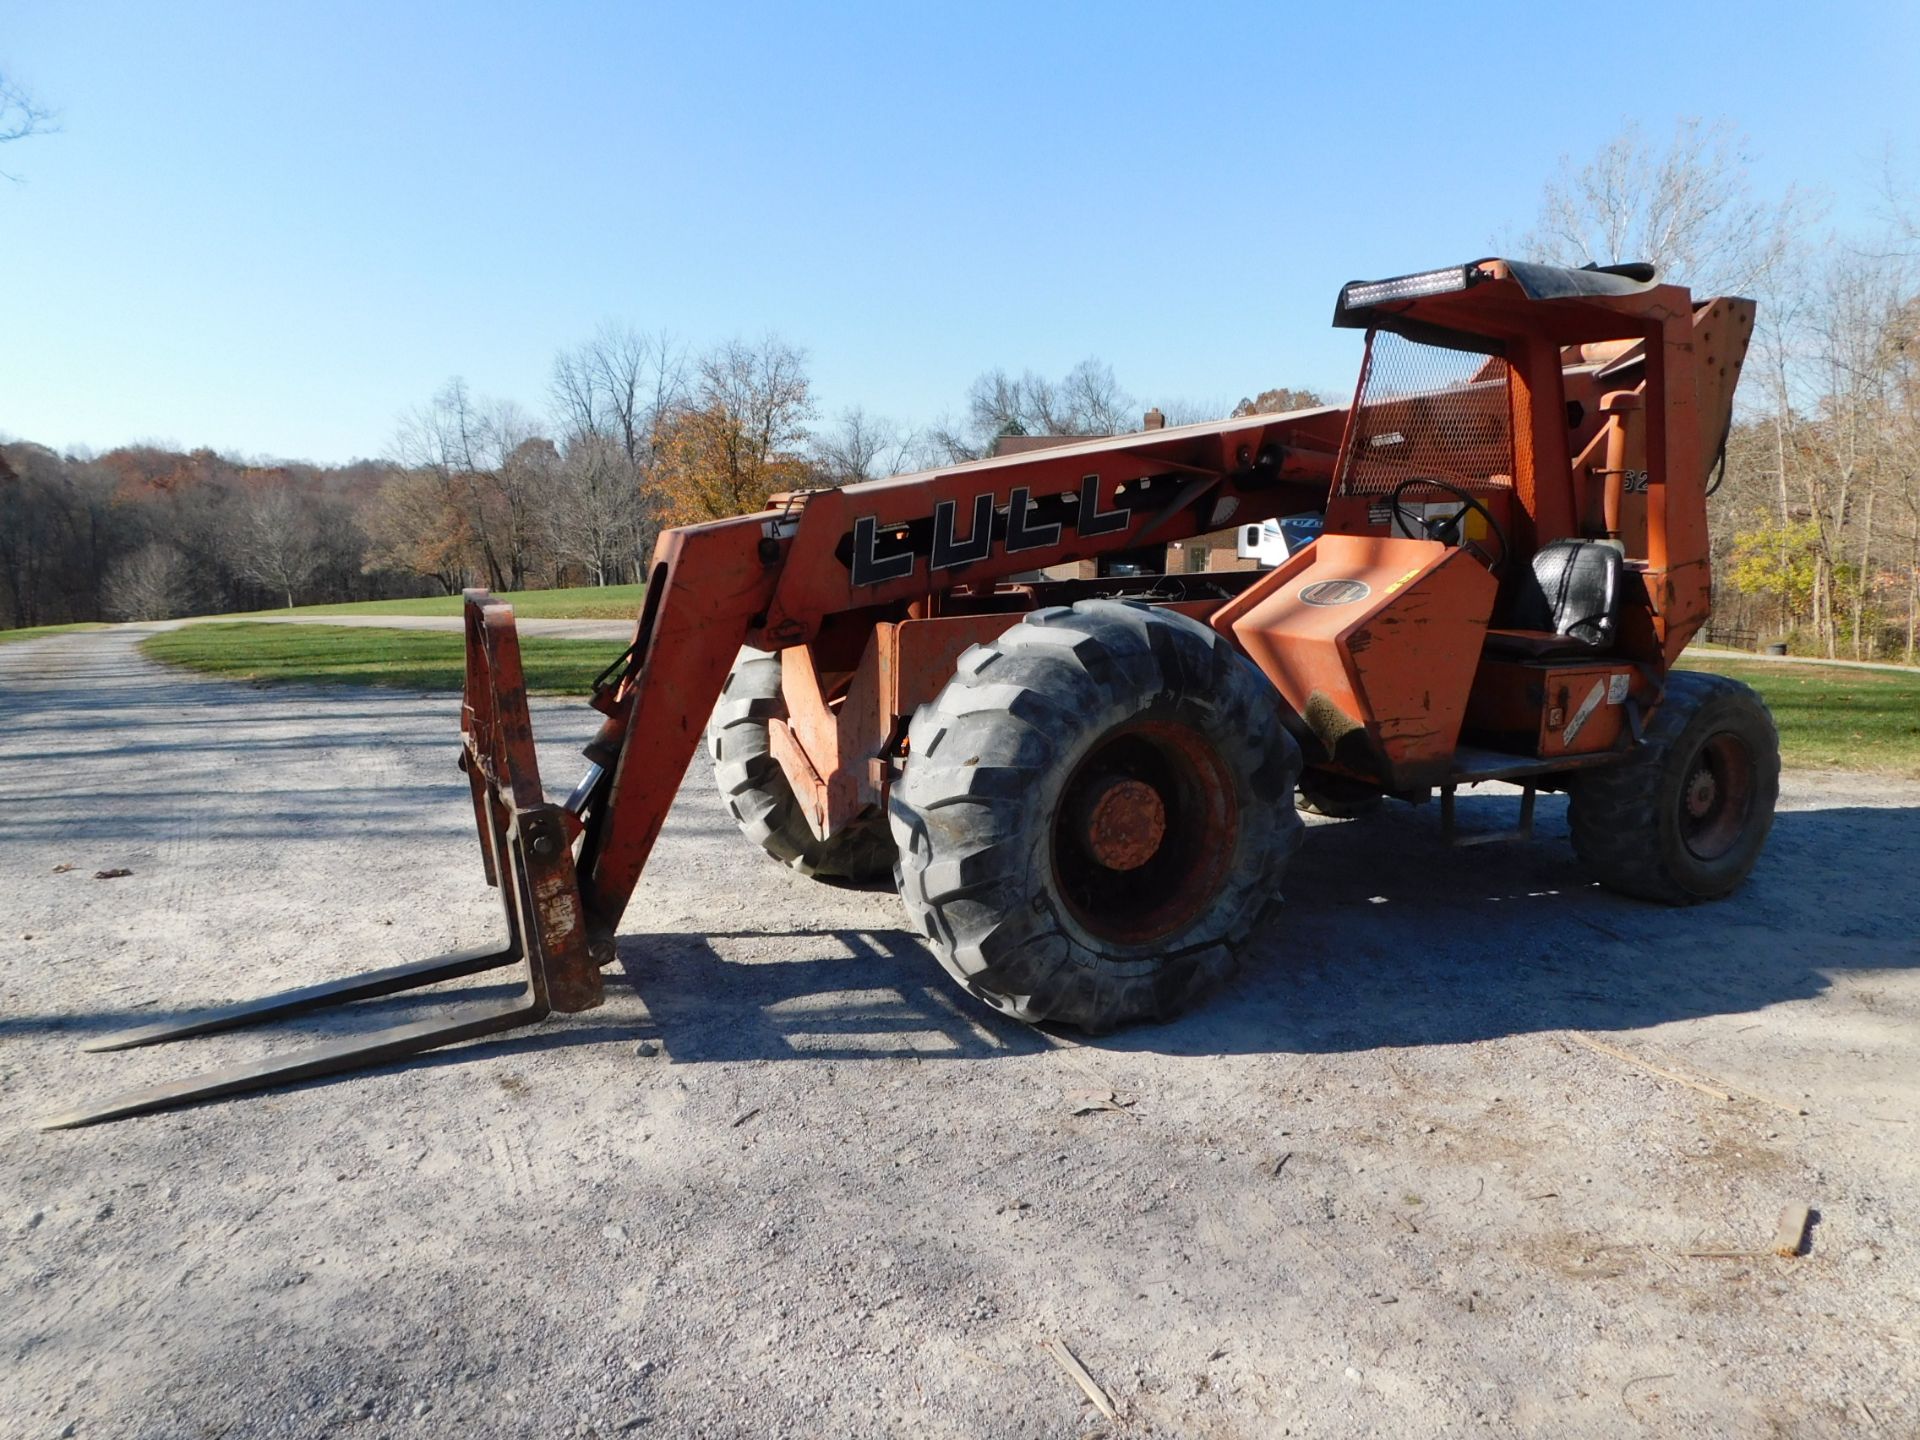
x,y
1280,400
417,527
742,436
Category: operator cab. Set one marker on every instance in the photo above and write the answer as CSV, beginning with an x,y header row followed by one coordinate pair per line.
x,y
1503,566
1431,449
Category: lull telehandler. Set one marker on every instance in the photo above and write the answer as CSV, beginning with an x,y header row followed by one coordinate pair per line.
x,y
1087,790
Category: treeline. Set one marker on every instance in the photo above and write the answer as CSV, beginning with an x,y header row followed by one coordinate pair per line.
x,y
1816,521
1817,534
637,434
140,533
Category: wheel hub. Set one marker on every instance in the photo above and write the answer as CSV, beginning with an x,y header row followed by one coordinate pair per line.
x,y
1702,792
1145,833
1124,823
1716,801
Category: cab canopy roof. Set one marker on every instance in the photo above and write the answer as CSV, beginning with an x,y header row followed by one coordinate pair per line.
x,y
1477,305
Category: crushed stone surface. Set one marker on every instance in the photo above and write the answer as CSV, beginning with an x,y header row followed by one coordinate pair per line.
x,y
789,1181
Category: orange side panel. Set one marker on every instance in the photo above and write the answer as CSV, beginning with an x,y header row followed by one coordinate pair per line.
x,y
1374,642
1555,707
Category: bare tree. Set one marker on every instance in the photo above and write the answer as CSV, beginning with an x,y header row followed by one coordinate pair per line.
x,y
1688,207
1092,403
1862,330
618,386
275,544
150,584
612,396
863,447
1088,400
527,480
417,527
595,513
474,447
21,116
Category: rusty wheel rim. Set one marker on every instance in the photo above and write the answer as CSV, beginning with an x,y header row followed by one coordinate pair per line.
x,y
1716,797
1144,834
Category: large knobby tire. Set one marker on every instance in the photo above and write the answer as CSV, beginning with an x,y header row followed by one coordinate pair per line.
x,y
1095,814
757,791
1684,818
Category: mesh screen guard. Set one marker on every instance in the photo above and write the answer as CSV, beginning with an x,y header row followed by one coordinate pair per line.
x,y
1424,411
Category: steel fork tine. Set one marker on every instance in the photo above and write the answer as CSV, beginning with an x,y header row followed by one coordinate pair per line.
x,y
527,847
365,986
305,1064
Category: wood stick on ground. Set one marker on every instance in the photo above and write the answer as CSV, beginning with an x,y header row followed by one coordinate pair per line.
x,y
1078,1374
1791,1231
1787,1105
1788,1236
1601,1047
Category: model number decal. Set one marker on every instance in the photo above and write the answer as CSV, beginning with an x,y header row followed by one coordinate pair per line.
x,y
881,552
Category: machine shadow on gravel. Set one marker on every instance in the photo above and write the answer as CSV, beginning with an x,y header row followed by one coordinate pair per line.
x,y
1388,938
880,996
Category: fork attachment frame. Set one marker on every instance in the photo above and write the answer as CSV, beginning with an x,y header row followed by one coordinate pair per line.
x,y
527,848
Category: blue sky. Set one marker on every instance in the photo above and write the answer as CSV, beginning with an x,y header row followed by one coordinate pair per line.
x,y
272,228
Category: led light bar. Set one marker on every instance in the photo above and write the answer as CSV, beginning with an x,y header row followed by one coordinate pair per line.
x,y
1362,294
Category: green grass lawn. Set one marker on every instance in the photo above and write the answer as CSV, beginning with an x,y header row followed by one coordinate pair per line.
x,y
1832,718
592,602
366,655
34,632
1829,717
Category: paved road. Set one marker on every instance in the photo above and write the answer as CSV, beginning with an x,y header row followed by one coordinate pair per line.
x,y
1812,660
788,1181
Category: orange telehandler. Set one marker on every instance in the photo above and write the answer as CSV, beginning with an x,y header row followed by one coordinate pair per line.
x,y
1087,790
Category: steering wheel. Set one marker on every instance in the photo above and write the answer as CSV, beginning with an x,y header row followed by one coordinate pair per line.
x,y
1447,529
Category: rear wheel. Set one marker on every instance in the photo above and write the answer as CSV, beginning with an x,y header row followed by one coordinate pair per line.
x,y
1685,817
1094,815
761,799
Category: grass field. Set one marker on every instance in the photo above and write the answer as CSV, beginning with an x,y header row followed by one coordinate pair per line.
x,y
34,632
1830,717
364,655
593,602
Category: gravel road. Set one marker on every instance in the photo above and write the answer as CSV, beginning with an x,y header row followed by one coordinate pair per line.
x,y
789,1182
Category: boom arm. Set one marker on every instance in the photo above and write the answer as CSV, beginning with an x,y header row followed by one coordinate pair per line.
x,y
769,580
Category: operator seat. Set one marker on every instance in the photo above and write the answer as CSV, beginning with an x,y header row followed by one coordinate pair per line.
x,y
1566,603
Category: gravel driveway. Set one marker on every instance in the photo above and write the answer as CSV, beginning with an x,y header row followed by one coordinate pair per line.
x,y
789,1182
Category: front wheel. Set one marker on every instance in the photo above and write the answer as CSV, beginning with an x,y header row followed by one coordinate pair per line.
x,y
761,799
1684,818
1095,814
